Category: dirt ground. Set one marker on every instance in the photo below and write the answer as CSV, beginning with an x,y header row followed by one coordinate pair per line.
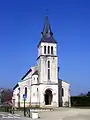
x,y
57,114
66,114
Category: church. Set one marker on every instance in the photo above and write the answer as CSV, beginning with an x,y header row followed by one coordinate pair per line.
x,y
41,84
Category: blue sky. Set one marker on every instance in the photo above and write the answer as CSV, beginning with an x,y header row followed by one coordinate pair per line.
x,y
21,22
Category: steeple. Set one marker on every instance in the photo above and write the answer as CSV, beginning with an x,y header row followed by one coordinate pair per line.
x,y
47,35
47,28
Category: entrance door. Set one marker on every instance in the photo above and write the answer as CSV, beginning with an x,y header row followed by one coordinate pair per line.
x,y
48,97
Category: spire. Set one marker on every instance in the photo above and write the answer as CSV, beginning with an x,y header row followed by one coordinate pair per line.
x,y
47,28
47,35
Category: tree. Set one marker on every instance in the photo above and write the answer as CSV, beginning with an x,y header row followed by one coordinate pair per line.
x,y
88,94
6,95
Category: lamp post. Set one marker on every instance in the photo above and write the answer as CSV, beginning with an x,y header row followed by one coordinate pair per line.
x,y
24,96
29,112
24,108
29,103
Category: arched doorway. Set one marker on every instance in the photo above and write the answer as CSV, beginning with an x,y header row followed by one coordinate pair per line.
x,y
48,97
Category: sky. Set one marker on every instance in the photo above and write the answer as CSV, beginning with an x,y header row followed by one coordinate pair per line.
x,y
21,23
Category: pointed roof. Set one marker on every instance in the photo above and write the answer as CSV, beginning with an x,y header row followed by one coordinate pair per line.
x,y
47,35
47,28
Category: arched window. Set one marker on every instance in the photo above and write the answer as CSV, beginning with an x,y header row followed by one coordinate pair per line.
x,y
48,74
19,90
25,90
51,49
44,49
48,70
62,92
48,64
37,89
37,79
48,49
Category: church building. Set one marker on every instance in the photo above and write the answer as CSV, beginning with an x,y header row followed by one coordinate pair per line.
x,y
41,84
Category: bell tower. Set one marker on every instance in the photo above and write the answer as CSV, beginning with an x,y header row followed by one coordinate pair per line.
x,y
47,56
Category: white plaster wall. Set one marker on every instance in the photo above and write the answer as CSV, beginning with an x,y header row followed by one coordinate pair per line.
x,y
43,69
15,97
26,82
34,95
66,96
34,79
22,86
54,69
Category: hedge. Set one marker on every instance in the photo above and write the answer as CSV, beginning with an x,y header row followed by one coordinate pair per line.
x,y
80,101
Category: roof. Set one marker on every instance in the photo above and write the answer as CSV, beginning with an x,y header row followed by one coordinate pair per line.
x,y
63,81
35,73
47,35
22,78
15,86
26,74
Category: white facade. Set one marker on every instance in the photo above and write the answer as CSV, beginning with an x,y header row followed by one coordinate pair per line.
x,y
64,93
40,83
